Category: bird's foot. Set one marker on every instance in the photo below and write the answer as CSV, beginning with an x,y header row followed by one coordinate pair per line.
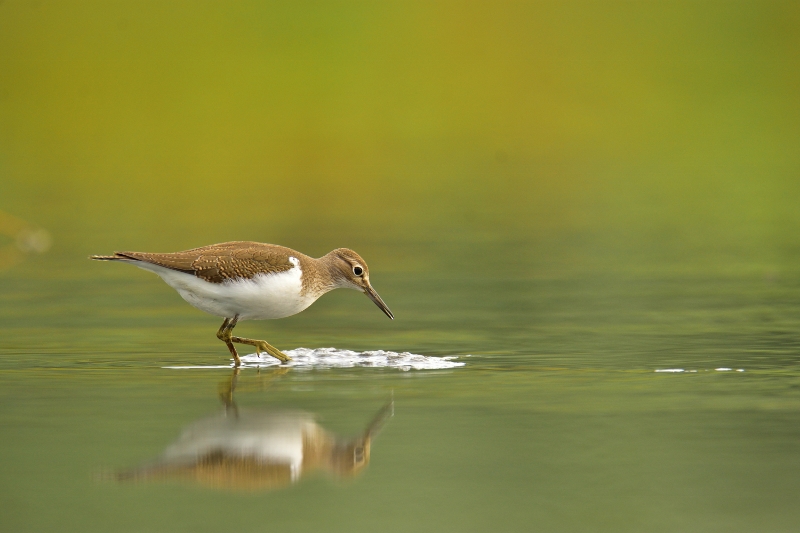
x,y
224,334
271,350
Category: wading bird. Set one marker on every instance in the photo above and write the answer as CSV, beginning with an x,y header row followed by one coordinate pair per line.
x,y
245,280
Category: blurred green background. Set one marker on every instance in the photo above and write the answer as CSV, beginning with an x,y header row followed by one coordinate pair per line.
x,y
574,134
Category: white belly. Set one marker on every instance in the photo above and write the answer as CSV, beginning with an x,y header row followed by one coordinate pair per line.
x,y
265,296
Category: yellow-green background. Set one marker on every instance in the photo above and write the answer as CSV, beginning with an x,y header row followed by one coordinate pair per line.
x,y
665,130
575,194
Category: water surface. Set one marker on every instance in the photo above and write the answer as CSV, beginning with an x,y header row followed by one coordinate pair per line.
x,y
558,419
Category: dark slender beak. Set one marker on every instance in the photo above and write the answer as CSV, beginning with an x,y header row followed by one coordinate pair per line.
x,y
369,291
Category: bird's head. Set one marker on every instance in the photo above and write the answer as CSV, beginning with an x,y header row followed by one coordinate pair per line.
x,y
350,271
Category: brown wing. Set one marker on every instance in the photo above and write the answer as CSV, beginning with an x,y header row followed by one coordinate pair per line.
x,y
219,262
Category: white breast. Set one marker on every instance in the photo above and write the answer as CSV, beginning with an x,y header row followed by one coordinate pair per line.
x,y
263,297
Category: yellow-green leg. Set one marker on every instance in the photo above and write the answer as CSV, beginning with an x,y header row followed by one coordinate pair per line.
x,y
224,334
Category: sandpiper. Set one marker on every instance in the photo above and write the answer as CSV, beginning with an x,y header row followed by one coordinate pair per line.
x,y
245,280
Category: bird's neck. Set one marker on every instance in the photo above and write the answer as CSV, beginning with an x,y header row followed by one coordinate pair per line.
x,y
322,275
331,265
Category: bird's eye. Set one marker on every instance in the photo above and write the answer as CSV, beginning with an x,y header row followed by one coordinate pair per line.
x,y
357,270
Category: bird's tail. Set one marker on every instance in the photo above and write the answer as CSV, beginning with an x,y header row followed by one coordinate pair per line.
x,y
115,257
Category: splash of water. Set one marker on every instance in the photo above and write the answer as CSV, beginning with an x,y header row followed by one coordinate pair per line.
x,y
336,358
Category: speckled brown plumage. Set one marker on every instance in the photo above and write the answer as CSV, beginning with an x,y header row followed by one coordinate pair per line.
x,y
220,262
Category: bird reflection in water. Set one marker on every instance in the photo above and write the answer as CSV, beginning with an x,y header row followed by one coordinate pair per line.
x,y
258,449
